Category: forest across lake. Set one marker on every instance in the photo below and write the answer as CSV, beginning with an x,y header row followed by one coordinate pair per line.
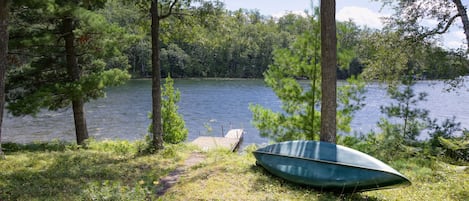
x,y
211,107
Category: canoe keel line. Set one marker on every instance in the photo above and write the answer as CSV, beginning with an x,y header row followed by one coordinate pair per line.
x,y
328,167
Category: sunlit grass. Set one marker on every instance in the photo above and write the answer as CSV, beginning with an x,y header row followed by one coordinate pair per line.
x,y
438,181
110,170
114,170
227,176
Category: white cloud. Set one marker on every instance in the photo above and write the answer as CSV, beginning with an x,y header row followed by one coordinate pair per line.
x,y
430,22
454,39
361,16
286,12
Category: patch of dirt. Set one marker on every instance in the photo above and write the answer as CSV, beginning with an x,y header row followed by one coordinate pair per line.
x,y
173,177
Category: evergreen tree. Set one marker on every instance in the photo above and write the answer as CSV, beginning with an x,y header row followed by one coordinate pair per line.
x,y
174,129
295,77
64,44
412,120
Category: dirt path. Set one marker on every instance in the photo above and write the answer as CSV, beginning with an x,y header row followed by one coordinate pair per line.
x,y
173,177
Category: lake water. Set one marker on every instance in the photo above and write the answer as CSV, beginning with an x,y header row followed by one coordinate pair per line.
x,y
216,105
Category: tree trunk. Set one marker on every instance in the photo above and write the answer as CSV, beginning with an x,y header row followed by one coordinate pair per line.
x,y
3,60
328,68
157,129
464,19
74,74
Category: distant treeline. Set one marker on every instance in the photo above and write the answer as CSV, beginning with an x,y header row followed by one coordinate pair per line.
x,y
210,41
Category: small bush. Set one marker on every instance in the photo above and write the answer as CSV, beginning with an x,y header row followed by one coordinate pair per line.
x,y
174,127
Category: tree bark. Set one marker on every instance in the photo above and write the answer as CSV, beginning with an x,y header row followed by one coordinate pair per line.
x,y
464,19
328,70
74,75
4,10
157,129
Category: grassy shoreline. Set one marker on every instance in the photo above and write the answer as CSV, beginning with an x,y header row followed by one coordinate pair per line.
x,y
113,170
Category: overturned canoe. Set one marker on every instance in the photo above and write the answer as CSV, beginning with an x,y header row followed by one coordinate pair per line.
x,y
328,166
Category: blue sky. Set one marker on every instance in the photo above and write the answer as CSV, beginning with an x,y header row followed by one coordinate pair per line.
x,y
362,12
275,6
366,11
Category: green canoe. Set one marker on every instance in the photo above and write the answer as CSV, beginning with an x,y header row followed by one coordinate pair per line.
x,y
327,166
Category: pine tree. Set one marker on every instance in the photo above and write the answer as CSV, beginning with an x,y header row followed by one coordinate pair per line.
x,y
174,130
295,78
62,46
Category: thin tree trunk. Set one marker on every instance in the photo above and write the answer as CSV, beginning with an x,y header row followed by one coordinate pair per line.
x,y
464,19
157,129
3,60
328,67
74,74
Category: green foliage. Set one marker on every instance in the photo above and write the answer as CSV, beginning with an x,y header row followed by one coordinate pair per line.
x,y
42,79
443,130
177,61
457,148
411,18
206,40
174,127
389,55
133,39
405,110
398,135
295,78
395,58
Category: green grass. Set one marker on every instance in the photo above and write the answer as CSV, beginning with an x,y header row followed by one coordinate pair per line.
x,y
104,171
112,170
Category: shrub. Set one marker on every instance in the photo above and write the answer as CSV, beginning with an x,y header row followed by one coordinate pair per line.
x,y
174,127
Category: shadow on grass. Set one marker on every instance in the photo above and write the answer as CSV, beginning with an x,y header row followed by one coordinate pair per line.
x,y
9,147
322,195
64,175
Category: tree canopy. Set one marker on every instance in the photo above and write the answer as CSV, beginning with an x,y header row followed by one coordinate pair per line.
x,y
413,17
64,53
295,77
61,55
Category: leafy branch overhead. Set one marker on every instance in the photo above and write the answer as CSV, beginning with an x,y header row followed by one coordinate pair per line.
x,y
414,17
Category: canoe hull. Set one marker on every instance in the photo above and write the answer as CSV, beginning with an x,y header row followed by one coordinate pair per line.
x,y
328,166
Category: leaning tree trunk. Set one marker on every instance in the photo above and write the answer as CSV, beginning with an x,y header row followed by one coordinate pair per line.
x,y
74,74
464,19
157,129
328,68
3,60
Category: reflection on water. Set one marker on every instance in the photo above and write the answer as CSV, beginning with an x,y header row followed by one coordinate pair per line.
x,y
209,107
